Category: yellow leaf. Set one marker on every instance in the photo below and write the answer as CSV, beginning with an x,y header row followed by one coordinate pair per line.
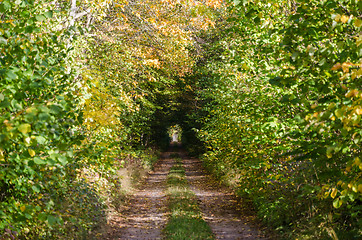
x,y
352,93
24,128
344,19
331,106
359,40
338,113
245,66
22,208
2,158
359,72
336,66
346,66
354,74
344,87
357,22
360,188
357,161
337,18
30,110
334,193
31,152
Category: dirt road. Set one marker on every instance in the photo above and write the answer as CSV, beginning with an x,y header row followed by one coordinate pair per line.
x,y
146,214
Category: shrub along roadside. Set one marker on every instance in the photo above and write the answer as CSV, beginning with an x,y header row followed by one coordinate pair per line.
x,y
185,218
57,177
39,121
278,109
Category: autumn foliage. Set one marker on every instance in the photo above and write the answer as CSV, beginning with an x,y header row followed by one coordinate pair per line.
x,y
279,112
83,90
269,91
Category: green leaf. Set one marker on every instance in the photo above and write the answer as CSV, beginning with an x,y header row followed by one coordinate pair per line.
x,y
29,29
48,14
52,220
40,17
36,188
6,4
337,203
40,139
44,116
5,103
24,128
39,161
236,2
63,160
3,41
55,109
1,97
10,74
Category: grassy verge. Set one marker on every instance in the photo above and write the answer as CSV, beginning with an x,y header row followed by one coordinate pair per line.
x,y
185,221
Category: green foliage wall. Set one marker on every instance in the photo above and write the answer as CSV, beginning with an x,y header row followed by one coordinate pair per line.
x,y
282,90
38,115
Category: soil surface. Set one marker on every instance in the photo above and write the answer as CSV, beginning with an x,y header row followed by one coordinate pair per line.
x,y
220,207
146,215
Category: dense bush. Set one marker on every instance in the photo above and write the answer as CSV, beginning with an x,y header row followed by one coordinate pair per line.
x,y
38,119
86,87
281,102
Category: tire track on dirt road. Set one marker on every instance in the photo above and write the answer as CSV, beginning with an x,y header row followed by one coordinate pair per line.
x,y
146,215
219,205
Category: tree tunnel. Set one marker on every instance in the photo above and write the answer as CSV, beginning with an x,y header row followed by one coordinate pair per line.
x,y
269,91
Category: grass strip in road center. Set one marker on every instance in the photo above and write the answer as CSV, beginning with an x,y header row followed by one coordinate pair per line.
x,y
185,220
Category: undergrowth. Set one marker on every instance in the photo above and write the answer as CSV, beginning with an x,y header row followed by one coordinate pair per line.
x,y
88,200
286,209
